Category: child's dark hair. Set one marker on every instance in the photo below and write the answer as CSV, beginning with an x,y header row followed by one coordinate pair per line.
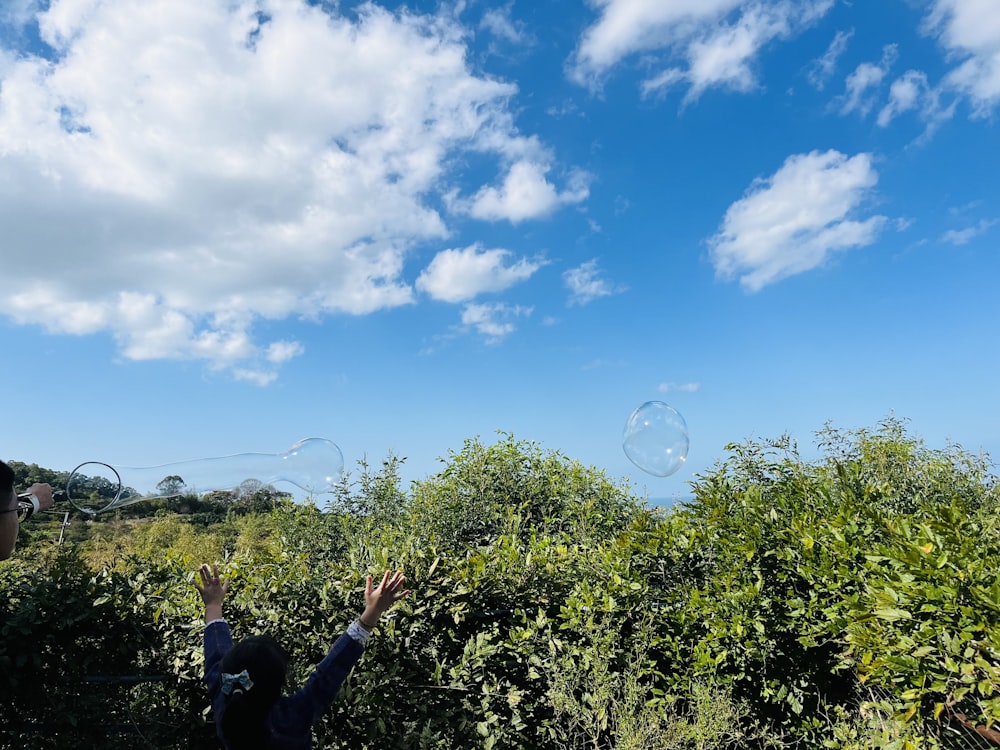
x,y
244,723
6,479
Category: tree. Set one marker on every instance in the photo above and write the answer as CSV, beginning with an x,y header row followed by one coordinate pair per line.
x,y
170,486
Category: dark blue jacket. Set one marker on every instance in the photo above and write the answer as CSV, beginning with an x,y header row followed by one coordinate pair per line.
x,y
291,719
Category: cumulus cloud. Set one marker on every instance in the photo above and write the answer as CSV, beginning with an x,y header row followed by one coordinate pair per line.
x,y
701,43
456,275
969,30
626,27
969,33
279,352
863,84
905,93
525,193
586,283
257,377
493,320
796,219
177,170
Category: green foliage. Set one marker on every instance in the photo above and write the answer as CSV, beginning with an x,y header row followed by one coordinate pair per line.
x,y
845,602
65,635
514,487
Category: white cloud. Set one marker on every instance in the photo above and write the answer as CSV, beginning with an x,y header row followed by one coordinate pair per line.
x,y
724,57
524,194
282,351
970,31
678,387
863,84
905,93
498,21
261,378
965,236
586,283
966,208
459,275
821,70
626,27
796,219
181,169
16,13
705,43
493,321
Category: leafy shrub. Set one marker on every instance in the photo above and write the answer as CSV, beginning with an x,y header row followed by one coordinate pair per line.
x,y
845,602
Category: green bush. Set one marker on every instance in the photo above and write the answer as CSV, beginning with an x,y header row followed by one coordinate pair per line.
x,y
845,602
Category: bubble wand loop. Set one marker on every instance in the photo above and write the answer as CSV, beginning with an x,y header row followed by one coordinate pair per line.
x,y
313,465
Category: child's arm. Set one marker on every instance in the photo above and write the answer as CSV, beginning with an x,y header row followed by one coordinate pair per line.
x,y
218,638
318,693
213,590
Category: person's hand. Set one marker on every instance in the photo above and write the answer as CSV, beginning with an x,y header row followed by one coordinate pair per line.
x,y
43,493
213,590
380,598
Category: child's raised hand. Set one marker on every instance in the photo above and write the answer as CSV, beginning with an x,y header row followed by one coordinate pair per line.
x,y
212,589
380,598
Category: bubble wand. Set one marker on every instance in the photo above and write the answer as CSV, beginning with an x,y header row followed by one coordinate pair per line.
x,y
313,465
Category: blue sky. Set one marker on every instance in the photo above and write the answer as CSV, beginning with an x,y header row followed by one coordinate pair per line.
x,y
231,225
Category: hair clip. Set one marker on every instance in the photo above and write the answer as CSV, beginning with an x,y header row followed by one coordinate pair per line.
x,y
240,682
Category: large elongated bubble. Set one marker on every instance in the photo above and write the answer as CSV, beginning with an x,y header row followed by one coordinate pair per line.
x,y
656,438
313,465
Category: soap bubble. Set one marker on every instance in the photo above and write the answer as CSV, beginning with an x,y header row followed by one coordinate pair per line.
x,y
656,438
314,465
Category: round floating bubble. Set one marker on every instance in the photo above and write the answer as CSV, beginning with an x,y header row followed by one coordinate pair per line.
x,y
656,438
313,464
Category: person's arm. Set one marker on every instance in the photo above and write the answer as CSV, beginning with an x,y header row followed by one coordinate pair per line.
x,y
20,508
218,637
323,684
218,640
38,497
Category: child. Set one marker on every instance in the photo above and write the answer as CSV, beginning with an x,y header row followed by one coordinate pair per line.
x,y
245,681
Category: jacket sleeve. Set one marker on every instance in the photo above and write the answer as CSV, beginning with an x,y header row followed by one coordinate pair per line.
x,y
313,698
218,640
